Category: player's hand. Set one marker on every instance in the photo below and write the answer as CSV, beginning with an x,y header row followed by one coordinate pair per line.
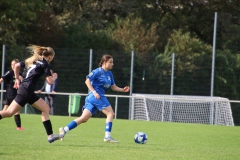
x,y
96,95
126,89
55,76
16,84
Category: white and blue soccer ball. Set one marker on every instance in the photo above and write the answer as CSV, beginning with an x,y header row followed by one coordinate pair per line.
x,y
140,138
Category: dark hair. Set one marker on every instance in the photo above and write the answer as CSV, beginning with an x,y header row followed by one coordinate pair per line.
x,y
104,58
15,60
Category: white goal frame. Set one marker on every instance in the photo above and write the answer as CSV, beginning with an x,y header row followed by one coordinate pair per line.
x,y
183,109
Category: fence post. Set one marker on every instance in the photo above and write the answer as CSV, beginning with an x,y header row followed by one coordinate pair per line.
x,y
3,68
213,53
172,76
131,83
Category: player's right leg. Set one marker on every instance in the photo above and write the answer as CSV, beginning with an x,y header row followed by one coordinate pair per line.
x,y
12,109
108,125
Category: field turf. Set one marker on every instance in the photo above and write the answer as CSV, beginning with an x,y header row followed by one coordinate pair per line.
x,y
168,141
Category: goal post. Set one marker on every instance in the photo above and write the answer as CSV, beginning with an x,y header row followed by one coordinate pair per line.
x,y
183,109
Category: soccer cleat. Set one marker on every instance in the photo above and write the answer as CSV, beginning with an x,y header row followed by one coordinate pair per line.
x,y
20,128
62,133
53,138
110,139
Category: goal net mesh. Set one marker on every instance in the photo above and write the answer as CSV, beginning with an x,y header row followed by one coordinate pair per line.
x,y
184,109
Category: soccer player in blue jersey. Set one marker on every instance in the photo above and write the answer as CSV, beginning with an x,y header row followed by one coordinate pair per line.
x,y
98,81
34,67
11,92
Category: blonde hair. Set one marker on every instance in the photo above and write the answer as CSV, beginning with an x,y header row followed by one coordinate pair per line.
x,y
37,54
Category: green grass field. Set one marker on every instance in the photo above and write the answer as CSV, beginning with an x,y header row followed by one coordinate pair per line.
x,y
166,141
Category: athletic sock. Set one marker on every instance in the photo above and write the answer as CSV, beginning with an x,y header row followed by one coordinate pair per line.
x,y
0,116
108,129
70,126
17,120
48,127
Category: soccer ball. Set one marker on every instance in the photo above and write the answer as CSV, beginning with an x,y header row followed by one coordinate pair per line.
x,y
140,138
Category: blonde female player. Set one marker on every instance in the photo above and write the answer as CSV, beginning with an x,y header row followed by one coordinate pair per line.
x,y
35,66
98,81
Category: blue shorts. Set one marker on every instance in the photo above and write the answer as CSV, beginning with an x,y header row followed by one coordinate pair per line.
x,y
92,104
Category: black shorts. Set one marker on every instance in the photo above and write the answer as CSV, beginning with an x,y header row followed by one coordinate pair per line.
x,y
9,96
9,100
23,97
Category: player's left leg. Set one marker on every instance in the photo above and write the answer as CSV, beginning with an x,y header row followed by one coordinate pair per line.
x,y
42,106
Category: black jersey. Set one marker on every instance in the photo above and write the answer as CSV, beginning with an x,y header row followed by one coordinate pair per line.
x,y
33,73
9,78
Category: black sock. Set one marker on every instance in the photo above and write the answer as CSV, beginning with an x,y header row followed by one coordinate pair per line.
x,y
48,127
17,120
0,116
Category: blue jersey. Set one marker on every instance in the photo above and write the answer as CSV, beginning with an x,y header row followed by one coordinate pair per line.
x,y
101,80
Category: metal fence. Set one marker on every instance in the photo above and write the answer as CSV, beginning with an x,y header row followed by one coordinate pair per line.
x,y
142,73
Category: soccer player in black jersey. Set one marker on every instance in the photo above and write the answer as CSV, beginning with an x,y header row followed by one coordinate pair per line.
x,y
35,66
11,92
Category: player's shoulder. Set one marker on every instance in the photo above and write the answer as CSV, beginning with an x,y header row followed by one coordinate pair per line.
x,y
42,62
97,70
8,72
110,72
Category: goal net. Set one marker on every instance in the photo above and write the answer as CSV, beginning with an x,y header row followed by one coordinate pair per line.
x,y
184,109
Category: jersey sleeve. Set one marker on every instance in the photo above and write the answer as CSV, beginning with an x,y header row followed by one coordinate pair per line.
x,y
22,64
93,74
47,70
6,75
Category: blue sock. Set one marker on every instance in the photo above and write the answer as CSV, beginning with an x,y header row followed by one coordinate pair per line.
x,y
108,127
72,125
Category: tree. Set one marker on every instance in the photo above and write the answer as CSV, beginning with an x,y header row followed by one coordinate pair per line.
x,y
133,35
15,19
192,64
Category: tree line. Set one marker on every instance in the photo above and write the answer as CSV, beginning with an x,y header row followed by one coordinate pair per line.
x,y
153,29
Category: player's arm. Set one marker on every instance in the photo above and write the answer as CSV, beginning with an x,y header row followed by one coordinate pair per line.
x,y
1,80
21,78
50,79
90,87
118,89
17,67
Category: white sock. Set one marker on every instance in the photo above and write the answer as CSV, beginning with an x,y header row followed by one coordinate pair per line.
x,y
107,134
66,129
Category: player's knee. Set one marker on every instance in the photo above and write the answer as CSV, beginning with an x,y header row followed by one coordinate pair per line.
x,y
111,114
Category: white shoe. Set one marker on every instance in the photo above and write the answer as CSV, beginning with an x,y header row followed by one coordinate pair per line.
x,y
62,133
109,139
53,138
